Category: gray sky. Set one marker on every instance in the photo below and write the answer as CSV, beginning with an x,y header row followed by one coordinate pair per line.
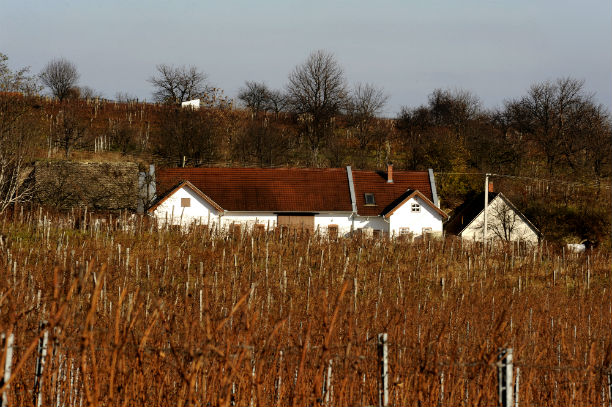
x,y
494,48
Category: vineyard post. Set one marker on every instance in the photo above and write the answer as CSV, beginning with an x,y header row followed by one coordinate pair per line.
x,y
610,387
441,400
504,375
40,364
383,354
7,367
516,387
486,204
327,384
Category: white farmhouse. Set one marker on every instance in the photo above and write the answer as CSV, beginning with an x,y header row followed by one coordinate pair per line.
x,y
504,221
335,200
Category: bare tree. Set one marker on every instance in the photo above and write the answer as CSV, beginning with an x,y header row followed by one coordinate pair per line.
x,y
188,136
560,118
317,91
178,84
20,130
70,129
17,81
258,97
363,106
255,96
455,109
60,76
86,92
125,97
504,221
277,101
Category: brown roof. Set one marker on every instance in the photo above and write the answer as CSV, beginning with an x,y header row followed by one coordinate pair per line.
x,y
296,189
268,190
386,194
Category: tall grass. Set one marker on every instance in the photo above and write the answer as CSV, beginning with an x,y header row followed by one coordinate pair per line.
x,y
139,314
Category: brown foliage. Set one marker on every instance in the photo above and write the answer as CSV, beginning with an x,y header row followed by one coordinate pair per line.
x,y
143,315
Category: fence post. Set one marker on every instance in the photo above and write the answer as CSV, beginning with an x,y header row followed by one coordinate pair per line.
x,y
8,361
504,374
40,364
610,387
516,387
383,355
327,384
441,399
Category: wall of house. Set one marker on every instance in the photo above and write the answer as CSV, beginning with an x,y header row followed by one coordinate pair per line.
x,y
170,211
201,212
403,217
343,220
249,219
502,224
371,222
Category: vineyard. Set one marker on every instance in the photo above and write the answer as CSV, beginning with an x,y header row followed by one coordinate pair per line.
x,y
121,311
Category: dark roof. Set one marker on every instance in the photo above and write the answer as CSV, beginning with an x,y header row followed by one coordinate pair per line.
x,y
269,190
387,195
296,189
466,213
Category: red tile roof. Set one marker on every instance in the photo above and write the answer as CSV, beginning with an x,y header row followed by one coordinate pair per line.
x,y
296,189
267,190
386,194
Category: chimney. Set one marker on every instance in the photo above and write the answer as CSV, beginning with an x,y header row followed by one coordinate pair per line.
x,y
491,189
390,173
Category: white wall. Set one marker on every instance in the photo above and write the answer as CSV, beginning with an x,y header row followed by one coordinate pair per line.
x,y
171,212
498,215
404,217
343,220
249,219
371,222
201,212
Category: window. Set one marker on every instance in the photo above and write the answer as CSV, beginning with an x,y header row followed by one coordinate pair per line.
x,y
369,199
426,231
404,231
185,202
415,207
332,231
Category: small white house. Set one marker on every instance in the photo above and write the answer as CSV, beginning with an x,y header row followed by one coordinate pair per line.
x,y
504,221
335,201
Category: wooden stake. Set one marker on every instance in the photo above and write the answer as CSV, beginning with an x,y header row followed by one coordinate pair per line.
x,y
383,355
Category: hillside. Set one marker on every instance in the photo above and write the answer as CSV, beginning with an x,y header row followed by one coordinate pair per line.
x,y
567,194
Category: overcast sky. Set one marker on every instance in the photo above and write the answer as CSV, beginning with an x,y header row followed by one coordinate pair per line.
x,y
494,48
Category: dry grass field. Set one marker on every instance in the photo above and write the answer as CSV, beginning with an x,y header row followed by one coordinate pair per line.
x,y
134,314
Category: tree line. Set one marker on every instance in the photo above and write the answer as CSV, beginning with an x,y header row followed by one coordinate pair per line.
x,y
556,130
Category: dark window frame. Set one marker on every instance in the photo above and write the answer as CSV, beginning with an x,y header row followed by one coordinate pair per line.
x,y
369,199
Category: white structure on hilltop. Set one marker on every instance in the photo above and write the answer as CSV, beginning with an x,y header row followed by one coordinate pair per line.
x,y
194,104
